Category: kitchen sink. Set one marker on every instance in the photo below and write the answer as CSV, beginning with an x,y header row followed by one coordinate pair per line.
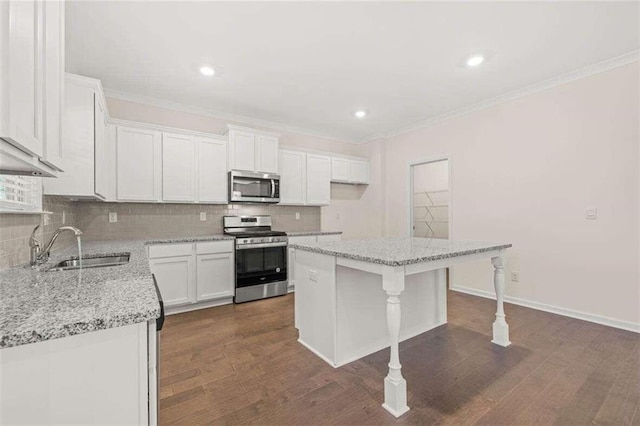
x,y
91,262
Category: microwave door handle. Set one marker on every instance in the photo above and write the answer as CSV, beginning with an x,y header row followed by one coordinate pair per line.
x,y
273,188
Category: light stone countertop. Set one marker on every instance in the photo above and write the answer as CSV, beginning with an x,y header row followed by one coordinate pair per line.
x,y
218,237
36,305
311,233
399,251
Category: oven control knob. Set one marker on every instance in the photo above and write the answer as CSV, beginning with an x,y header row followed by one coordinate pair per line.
x,y
245,241
251,240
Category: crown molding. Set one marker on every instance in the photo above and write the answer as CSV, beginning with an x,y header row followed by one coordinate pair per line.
x,y
552,82
266,125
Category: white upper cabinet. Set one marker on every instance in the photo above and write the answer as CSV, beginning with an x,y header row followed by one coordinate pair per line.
x,y
318,179
267,153
252,150
359,171
349,170
54,82
242,150
212,170
31,80
82,152
138,164
102,170
340,169
293,176
178,168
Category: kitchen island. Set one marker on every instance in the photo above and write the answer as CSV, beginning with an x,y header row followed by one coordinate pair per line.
x,y
344,287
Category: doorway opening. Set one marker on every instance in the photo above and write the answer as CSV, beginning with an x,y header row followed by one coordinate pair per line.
x,y
430,195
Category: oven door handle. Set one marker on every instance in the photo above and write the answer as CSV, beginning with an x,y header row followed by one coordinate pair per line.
x,y
263,245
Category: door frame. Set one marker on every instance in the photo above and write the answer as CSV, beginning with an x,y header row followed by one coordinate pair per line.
x,y
431,159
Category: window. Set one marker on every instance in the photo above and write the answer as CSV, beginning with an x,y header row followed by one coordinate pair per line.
x,y
20,193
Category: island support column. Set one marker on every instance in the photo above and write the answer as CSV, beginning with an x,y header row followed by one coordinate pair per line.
x,y
500,326
395,386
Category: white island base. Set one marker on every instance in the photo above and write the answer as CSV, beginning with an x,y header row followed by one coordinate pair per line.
x,y
346,309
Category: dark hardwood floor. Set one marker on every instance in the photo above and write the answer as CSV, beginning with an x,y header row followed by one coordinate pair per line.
x,y
240,364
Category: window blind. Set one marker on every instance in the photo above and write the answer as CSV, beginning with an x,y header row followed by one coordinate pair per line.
x,y
20,193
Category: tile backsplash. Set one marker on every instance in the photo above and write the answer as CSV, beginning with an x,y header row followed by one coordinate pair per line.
x,y
135,221
139,221
15,230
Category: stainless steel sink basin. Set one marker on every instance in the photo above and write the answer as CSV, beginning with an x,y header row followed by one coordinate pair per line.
x,y
91,262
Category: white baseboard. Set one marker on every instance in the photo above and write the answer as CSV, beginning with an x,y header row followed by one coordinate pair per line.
x,y
171,310
598,319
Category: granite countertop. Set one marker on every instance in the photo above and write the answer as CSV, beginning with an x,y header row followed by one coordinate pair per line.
x,y
198,239
36,305
399,251
311,233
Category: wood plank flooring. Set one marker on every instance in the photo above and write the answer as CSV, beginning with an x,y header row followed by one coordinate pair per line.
x,y
241,364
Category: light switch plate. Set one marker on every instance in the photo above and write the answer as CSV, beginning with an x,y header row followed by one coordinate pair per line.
x,y
313,275
113,217
203,216
515,276
592,213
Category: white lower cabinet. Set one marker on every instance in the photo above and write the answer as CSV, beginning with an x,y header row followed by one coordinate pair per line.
x,y
100,377
175,279
190,274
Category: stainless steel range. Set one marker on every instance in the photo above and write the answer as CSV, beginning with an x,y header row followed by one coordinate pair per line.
x,y
261,257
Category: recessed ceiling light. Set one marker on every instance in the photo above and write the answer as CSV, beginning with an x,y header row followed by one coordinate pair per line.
x,y
475,60
206,70
360,113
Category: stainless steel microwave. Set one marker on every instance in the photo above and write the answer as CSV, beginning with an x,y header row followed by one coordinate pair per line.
x,y
249,187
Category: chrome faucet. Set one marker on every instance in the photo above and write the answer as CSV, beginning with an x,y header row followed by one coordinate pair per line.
x,y
41,255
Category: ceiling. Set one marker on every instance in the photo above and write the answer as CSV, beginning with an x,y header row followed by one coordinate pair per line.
x,y
310,65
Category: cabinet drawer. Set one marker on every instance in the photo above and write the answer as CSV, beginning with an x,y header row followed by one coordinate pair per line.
x,y
212,247
170,250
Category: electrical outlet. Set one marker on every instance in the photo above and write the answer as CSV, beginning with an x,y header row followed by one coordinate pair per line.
x,y
592,213
203,216
313,275
297,215
64,217
47,219
113,217
515,276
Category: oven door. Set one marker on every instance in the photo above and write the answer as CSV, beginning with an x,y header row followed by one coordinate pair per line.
x,y
253,187
261,264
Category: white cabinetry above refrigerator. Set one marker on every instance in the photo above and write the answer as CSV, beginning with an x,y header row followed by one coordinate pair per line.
x,y
252,150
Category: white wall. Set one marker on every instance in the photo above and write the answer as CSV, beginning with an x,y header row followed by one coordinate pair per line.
x,y
524,172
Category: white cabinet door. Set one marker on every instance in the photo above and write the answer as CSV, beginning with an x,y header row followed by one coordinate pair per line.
x,y
340,169
101,149
178,168
78,143
359,171
24,75
293,176
53,81
138,164
242,146
318,179
267,153
212,170
215,276
175,279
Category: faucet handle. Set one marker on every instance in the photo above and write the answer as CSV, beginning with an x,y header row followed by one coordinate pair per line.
x,y
33,242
